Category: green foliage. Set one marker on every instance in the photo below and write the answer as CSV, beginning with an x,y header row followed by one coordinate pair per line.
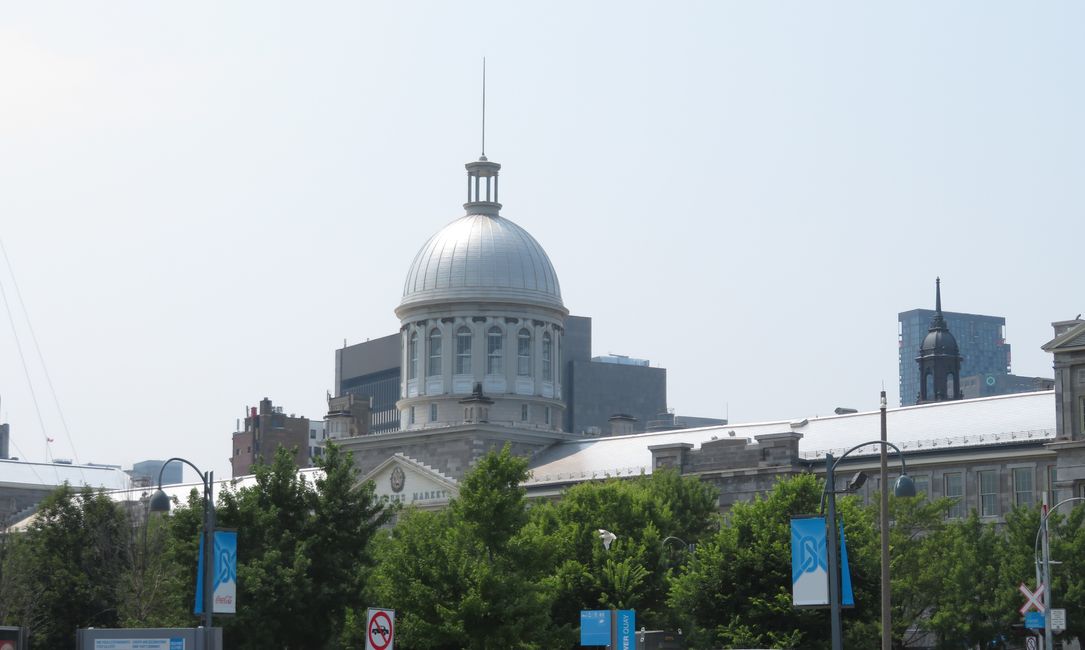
x,y
66,569
466,577
152,587
301,549
634,573
493,571
737,589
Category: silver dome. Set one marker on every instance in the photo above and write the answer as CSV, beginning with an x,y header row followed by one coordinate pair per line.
x,y
482,257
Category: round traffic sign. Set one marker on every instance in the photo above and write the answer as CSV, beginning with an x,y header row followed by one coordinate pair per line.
x,y
380,630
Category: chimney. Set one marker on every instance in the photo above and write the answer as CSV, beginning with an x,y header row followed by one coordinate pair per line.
x,y
621,424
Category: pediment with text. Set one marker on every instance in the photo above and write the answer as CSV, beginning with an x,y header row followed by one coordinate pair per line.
x,y
401,479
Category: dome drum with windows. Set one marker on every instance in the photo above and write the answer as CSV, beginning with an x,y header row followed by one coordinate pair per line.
x,y
481,314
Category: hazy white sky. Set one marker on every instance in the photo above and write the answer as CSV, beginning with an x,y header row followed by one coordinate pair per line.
x,y
202,200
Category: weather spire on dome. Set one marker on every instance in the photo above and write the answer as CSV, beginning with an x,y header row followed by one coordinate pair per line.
x,y
483,156
482,197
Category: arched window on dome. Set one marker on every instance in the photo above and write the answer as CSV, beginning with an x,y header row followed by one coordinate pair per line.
x,y
523,353
951,386
463,351
412,357
434,368
495,351
547,351
928,386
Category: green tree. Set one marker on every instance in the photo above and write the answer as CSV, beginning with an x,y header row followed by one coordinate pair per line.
x,y
642,511
966,611
154,584
916,535
1067,541
301,548
69,564
469,576
737,589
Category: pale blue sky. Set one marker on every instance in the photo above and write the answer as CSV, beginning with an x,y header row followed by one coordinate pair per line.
x,y
202,200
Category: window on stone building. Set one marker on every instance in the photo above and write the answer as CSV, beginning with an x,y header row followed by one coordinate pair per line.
x,y
1024,486
954,488
547,366
412,357
548,415
523,353
922,486
988,484
434,368
495,351
951,386
410,415
463,351
523,412
433,412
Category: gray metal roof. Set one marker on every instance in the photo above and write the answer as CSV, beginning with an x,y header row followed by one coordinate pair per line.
x,y
485,257
25,474
939,426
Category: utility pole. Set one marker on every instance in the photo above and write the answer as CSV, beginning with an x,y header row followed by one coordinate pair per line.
x,y
887,613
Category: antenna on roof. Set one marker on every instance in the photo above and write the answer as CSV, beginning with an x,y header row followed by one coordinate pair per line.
x,y
483,157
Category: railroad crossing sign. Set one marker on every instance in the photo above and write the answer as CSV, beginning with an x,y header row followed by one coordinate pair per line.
x,y
380,629
1032,598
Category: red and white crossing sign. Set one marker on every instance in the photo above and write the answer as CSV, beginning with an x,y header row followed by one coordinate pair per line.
x,y
380,629
1032,598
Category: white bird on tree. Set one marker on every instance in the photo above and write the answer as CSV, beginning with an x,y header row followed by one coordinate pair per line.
x,y
607,537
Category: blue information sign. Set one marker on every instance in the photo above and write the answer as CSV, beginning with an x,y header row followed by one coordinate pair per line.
x,y
595,627
627,629
1034,620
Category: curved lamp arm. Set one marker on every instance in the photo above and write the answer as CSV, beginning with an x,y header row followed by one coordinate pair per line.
x,y
159,501
1043,520
903,467
678,539
904,486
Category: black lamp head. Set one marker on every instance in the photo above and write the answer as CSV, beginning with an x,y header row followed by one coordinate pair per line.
x,y
159,501
856,481
904,486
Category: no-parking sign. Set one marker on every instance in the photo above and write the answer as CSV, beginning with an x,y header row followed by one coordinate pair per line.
x,y
380,629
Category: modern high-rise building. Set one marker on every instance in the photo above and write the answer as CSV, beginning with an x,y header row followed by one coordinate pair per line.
x,y
145,473
981,342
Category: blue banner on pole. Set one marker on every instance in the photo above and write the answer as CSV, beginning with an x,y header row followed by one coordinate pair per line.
x,y
224,586
847,596
595,627
809,562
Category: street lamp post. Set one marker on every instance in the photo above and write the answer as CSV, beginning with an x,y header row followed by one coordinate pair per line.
x,y
161,503
904,487
1041,534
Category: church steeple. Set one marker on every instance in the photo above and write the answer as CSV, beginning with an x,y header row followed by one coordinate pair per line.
x,y
939,358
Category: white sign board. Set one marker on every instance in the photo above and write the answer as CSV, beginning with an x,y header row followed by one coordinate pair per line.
x,y
175,643
1058,620
380,629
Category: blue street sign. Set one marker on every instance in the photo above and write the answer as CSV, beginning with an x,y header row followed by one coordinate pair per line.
x,y
1034,620
627,629
595,627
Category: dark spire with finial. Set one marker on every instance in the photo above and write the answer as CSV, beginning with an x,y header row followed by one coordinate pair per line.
x,y
938,322
939,358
